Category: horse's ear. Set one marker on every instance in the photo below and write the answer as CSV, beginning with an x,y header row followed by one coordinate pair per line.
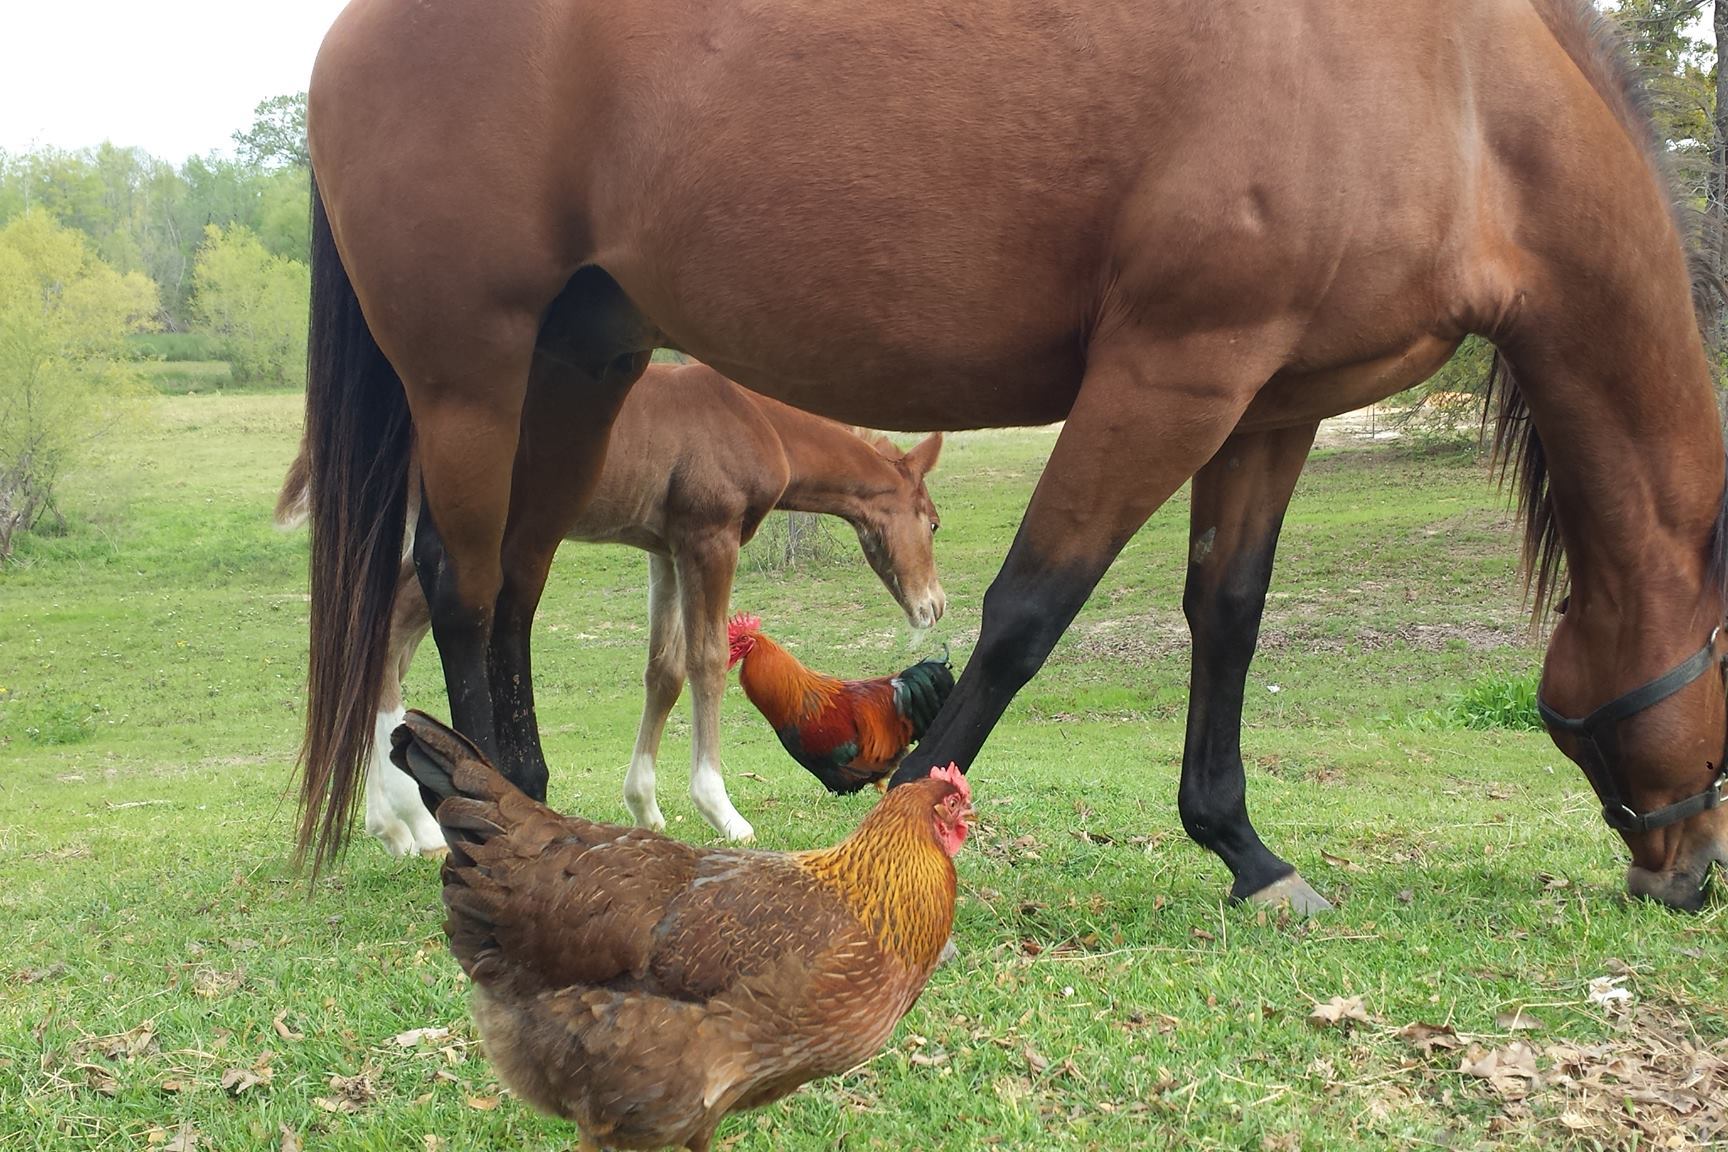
x,y
922,459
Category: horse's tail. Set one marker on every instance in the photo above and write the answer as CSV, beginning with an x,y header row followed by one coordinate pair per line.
x,y
357,446
293,504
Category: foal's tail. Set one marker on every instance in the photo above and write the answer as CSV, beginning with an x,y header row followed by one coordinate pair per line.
x,y
356,447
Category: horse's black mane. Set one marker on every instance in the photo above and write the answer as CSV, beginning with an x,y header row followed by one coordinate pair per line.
x,y
1598,46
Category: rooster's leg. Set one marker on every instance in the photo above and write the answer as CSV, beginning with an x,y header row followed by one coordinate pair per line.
x,y
705,565
662,684
1150,412
1238,508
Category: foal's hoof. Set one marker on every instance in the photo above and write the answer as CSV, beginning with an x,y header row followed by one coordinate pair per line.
x,y
1294,893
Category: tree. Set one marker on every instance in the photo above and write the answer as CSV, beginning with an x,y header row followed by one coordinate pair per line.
x,y
64,317
254,304
277,138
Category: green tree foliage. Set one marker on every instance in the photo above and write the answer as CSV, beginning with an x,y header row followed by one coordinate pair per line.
x,y
64,380
277,138
253,303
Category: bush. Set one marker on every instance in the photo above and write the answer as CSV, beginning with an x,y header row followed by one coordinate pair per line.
x,y
252,305
1445,411
1497,702
174,347
64,377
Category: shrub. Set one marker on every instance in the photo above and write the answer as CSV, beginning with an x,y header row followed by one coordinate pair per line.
x,y
64,377
252,305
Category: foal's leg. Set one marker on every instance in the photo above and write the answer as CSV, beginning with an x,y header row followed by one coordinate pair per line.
x,y
1239,502
1149,413
395,814
662,684
705,567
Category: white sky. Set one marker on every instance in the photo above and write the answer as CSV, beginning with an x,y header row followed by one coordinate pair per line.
x,y
175,77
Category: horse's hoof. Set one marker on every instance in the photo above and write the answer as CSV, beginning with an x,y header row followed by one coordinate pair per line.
x,y
1294,893
437,853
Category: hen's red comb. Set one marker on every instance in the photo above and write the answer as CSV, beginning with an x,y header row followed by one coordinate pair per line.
x,y
741,625
954,776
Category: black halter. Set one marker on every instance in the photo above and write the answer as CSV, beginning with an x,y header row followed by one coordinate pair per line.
x,y
1599,736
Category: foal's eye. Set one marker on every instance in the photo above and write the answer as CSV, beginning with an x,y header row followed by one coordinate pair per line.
x,y
934,524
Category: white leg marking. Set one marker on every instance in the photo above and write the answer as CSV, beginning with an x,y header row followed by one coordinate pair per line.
x,y
394,813
639,793
708,790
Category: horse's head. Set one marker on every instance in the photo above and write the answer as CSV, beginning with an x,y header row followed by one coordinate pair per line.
x,y
897,522
1655,753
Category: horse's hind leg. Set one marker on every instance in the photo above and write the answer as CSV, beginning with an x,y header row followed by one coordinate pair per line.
x,y
1238,507
395,814
706,564
1149,413
662,684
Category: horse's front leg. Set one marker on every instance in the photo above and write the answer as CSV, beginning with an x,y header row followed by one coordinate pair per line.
x,y
662,684
705,566
1148,414
1238,507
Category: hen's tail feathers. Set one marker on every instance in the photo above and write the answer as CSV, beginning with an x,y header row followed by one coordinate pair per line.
x,y
456,783
920,690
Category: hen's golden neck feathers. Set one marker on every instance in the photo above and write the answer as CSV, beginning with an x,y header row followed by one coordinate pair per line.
x,y
895,877
779,685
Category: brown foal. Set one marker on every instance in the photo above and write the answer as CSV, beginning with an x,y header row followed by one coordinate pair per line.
x,y
694,465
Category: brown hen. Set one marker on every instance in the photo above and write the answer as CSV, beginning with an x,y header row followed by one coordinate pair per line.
x,y
645,988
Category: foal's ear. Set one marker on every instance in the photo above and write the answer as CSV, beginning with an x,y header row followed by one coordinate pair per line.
x,y
922,459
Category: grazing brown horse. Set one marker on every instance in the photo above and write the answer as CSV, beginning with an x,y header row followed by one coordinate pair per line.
x,y
1190,228
694,465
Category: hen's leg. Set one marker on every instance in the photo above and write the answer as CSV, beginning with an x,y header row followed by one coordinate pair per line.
x,y
705,566
662,683
1239,502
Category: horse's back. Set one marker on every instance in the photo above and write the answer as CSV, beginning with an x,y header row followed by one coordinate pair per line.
x,y
836,204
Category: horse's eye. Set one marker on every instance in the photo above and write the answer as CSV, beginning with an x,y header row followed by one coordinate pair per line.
x,y
934,524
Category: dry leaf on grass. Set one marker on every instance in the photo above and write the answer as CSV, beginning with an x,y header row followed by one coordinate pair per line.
x,y
185,1139
290,1140
280,1024
1340,862
1338,1011
483,1103
350,1093
419,1036
1035,1063
1425,1038
237,1080
1607,990
1511,1071
1517,1021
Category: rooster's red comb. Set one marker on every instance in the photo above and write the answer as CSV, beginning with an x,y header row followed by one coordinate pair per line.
x,y
954,776
741,625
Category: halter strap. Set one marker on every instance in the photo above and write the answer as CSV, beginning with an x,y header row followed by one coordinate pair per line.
x,y
1600,733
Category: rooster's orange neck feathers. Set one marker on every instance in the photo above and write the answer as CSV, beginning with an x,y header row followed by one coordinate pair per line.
x,y
781,688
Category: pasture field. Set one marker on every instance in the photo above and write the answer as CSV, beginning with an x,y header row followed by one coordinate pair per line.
x,y
168,982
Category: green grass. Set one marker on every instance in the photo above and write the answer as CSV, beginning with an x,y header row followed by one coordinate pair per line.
x,y
174,346
151,664
180,377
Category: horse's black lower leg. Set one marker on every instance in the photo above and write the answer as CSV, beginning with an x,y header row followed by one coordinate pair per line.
x,y
462,640
1148,414
1238,509
1027,608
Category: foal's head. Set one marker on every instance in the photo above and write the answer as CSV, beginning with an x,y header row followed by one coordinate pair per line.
x,y
896,524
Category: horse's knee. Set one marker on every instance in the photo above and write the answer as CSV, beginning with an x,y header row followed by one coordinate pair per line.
x,y
1019,632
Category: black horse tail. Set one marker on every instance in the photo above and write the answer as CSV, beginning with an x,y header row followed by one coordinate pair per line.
x,y
357,444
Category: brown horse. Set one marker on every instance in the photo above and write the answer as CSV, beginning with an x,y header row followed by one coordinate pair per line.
x,y
694,465
1190,228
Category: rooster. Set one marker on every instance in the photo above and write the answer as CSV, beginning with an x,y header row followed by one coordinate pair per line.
x,y
644,988
848,733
